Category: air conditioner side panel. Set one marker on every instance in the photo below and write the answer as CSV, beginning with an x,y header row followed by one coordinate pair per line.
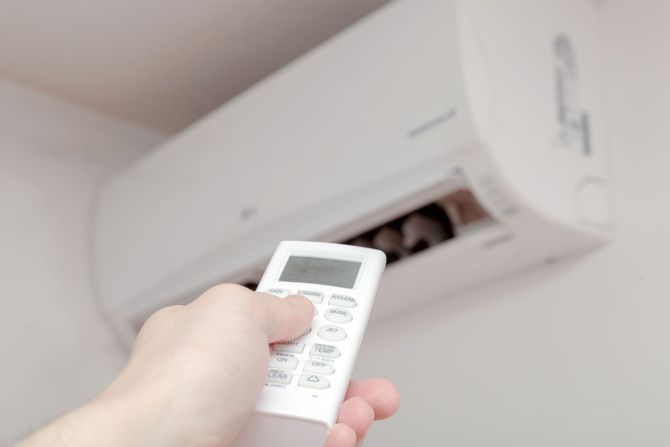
x,y
532,71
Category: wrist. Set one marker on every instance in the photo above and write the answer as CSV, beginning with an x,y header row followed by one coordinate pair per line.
x,y
103,422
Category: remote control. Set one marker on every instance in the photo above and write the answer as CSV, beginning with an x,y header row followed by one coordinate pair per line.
x,y
308,377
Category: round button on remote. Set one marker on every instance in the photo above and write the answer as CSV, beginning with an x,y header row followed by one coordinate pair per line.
x,y
332,333
338,315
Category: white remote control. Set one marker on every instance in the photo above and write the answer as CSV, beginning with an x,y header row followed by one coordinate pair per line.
x,y
308,377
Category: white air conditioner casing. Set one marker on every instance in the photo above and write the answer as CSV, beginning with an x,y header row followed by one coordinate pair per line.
x,y
416,100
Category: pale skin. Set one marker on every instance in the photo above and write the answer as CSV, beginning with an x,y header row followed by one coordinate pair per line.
x,y
195,372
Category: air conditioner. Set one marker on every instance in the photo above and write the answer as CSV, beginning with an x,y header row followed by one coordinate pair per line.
x,y
464,138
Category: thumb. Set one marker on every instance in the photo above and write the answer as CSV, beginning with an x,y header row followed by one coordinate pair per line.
x,y
280,318
285,318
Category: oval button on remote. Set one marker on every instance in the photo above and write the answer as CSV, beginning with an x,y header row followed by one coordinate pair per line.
x,y
338,316
318,367
332,333
281,293
313,381
314,296
342,301
320,350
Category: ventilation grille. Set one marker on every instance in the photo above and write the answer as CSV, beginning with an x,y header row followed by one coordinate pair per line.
x,y
420,229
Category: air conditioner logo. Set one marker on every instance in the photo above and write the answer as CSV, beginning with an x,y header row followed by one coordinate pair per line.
x,y
433,123
572,119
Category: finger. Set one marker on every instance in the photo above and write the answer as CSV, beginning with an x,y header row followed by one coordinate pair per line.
x,y
280,318
341,435
381,394
357,414
286,318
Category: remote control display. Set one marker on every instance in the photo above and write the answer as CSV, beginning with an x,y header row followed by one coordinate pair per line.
x,y
327,272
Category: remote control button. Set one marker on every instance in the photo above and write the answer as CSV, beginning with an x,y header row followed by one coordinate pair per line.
x,y
314,296
279,376
332,333
283,362
342,301
325,351
315,366
281,293
313,381
294,347
338,316
309,329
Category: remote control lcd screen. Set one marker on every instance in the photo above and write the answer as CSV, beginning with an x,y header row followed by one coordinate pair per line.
x,y
327,272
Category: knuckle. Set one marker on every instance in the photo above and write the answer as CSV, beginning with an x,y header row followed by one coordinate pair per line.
x,y
165,313
233,297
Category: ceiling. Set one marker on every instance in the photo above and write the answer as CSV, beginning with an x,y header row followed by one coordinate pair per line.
x,y
160,63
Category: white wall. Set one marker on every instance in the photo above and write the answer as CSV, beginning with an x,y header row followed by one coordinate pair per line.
x,y
573,355
55,349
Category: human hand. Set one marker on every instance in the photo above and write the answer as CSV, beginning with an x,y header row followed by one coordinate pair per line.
x,y
197,370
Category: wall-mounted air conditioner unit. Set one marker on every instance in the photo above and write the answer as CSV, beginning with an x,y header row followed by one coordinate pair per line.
x,y
464,138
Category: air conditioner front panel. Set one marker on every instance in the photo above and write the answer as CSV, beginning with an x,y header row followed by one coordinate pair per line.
x,y
384,98
422,104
